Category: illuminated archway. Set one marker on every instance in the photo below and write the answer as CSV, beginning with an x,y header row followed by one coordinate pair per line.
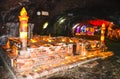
x,y
91,27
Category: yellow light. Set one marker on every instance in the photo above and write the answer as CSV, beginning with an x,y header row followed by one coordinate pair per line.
x,y
24,24
102,38
35,70
82,58
61,20
63,63
70,40
15,50
33,41
103,26
63,40
23,34
49,40
45,25
23,12
23,18
102,32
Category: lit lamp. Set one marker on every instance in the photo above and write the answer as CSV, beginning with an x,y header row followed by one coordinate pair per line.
x,y
103,47
102,38
23,18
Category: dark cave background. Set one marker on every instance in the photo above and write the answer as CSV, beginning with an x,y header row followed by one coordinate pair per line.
x,y
73,10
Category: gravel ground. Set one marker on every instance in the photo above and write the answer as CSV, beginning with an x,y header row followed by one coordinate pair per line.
x,y
104,69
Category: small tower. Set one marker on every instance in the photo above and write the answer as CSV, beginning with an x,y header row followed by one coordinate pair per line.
x,y
23,18
102,38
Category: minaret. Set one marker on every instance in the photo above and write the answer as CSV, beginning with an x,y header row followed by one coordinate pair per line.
x,y
102,38
23,18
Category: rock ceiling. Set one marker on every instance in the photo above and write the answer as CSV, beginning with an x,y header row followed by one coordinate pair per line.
x,y
55,7
9,9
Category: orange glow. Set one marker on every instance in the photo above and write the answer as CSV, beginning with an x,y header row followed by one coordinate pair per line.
x,y
33,41
103,26
8,44
102,38
105,55
23,19
90,56
102,32
24,24
70,40
81,58
23,15
63,40
49,40
15,50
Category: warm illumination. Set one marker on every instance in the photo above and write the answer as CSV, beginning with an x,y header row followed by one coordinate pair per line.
x,y
23,34
102,38
33,41
70,40
103,26
45,25
23,12
49,40
81,58
24,24
45,13
46,54
63,40
8,44
15,50
23,18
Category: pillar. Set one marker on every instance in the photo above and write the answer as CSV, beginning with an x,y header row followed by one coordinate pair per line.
x,y
23,18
